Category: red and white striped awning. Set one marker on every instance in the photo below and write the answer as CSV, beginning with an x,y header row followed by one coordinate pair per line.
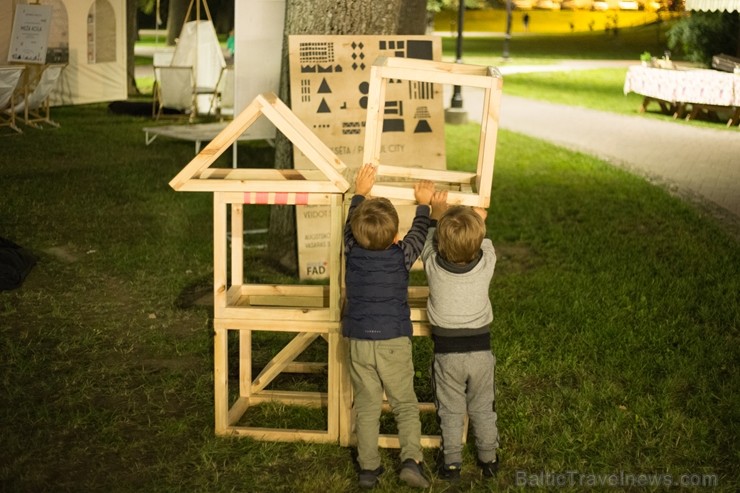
x,y
713,5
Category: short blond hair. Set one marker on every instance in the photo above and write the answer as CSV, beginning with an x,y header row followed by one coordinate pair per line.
x,y
460,232
374,223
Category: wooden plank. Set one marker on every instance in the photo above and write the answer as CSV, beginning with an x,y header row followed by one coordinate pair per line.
x,y
220,380
406,193
289,301
285,290
245,363
281,435
306,367
319,327
291,397
333,386
238,409
218,145
237,244
297,132
427,441
240,197
345,393
267,314
336,240
197,185
220,254
374,121
431,71
286,355
425,174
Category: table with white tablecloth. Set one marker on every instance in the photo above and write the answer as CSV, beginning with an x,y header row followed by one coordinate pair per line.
x,y
686,91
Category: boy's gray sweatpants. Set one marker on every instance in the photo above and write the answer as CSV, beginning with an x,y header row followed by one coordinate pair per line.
x,y
464,383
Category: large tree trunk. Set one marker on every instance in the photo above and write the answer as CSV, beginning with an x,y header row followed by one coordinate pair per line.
x,y
328,17
414,18
131,37
175,19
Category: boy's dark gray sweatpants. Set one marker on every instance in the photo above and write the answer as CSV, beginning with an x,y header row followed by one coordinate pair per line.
x,y
464,383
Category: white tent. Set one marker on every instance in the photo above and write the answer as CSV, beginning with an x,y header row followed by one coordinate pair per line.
x,y
198,47
713,5
88,35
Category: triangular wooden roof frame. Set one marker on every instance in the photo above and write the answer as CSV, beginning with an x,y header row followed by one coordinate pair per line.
x,y
197,177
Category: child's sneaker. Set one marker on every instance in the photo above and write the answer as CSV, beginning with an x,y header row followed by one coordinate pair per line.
x,y
413,475
450,472
368,479
489,468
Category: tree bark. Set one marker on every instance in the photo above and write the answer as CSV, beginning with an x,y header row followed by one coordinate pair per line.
x,y
175,19
131,37
414,18
328,17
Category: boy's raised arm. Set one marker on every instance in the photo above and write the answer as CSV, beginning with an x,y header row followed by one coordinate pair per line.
x,y
365,179
439,204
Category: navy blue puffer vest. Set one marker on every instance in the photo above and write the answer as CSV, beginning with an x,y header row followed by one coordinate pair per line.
x,y
377,295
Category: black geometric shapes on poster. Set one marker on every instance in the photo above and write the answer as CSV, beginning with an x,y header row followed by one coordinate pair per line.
x,y
324,87
393,108
393,125
422,127
352,128
412,48
421,90
320,69
323,107
319,52
358,56
422,112
305,90
420,49
364,87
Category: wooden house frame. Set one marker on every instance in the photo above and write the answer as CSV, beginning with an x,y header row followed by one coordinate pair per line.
x,y
309,311
473,189
313,311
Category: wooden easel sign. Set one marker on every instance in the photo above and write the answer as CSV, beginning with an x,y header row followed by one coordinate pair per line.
x,y
30,37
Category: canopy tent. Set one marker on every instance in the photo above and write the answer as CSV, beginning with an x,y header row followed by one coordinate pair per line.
x,y
90,37
713,5
198,47
716,6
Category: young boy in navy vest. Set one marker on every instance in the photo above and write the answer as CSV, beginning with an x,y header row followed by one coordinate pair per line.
x,y
459,262
377,321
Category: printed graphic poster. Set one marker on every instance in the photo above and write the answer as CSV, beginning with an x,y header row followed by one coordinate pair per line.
x,y
329,77
30,36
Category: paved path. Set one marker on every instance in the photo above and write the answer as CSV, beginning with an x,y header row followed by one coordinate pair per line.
x,y
696,161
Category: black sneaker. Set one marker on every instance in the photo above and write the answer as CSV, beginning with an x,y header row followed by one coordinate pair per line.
x,y
413,475
450,472
489,468
368,479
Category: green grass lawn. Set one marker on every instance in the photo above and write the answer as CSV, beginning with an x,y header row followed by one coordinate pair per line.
x,y
616,329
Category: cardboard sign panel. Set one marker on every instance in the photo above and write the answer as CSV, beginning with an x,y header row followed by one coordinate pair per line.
x,y
30,36
330,82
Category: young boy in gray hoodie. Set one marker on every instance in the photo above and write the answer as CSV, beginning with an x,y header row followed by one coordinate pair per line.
x,y
459,262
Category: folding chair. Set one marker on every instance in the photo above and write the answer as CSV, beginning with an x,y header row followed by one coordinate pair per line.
x,y
36,91
175,89
9,82
223,98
